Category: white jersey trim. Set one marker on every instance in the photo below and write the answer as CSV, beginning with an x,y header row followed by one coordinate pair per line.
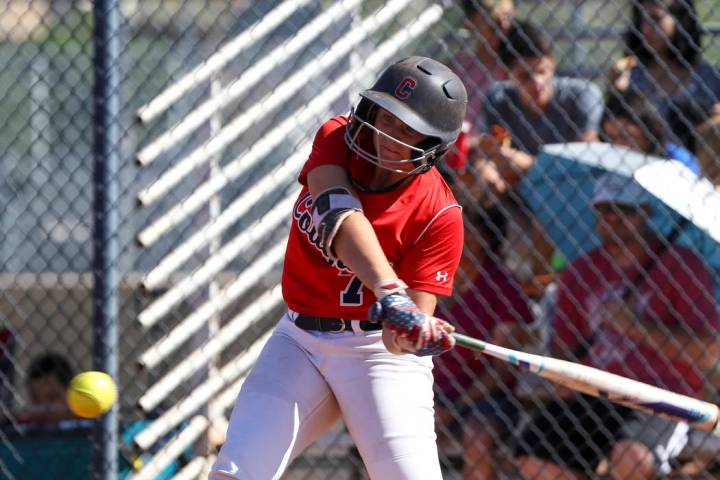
x,y
432,220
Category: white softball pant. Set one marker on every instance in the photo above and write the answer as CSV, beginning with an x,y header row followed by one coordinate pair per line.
x,y
301,384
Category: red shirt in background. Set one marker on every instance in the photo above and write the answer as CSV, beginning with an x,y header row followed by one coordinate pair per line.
x,y
677,292
494,298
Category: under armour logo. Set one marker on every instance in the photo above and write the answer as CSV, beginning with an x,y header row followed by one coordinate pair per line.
x,y
405,88
441,276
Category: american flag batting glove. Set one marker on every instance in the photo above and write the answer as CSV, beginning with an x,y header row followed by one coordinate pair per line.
x,y
434,340
397,310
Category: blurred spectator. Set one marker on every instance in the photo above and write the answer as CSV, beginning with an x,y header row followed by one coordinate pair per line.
x,y
532,108
683,117
709,150
637,308
48,377
665,64
709,163
631,121
472,392
700,454
535,107
47,435
480,67
488,21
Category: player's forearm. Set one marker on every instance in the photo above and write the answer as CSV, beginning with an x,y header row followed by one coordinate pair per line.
x,y
358,247
355,242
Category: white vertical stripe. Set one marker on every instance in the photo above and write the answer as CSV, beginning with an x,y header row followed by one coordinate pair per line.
x,y
677,441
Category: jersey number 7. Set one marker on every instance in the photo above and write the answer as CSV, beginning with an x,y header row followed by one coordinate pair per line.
x,y
353,293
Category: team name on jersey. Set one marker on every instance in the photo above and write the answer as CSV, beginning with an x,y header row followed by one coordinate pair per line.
x,y
303,217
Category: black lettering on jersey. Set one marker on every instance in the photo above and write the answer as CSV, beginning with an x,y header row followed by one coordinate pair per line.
x,y
303,217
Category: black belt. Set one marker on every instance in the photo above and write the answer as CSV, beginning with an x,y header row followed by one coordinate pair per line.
x,y
335,325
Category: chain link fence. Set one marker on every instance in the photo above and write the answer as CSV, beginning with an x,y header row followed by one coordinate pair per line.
x,y
219,101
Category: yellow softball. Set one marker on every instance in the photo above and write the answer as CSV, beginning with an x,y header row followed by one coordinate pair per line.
x,y
91,394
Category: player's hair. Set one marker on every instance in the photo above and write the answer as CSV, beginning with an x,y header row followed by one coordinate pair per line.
x,y
525,41
685,44
51,365
630,105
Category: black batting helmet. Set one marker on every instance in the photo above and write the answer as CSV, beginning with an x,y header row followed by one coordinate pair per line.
x,y
425,95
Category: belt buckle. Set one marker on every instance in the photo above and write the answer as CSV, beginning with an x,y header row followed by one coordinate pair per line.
x,y
341,325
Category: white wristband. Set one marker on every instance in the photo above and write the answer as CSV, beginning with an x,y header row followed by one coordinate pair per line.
x,y
383,288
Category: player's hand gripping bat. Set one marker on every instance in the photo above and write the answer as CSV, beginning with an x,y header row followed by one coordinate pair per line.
x,y
592,381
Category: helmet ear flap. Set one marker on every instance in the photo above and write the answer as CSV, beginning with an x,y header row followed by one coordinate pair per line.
x,y
435,151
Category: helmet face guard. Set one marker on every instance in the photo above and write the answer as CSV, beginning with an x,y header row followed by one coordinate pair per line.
x,y
423,94
361,135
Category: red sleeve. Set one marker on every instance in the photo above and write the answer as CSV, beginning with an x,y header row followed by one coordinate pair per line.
x,y
431,263
569,324
328,147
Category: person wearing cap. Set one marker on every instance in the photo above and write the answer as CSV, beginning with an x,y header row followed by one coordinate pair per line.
x,y
376,236
637,307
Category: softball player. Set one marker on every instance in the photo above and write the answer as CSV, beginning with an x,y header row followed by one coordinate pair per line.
x,y
376,234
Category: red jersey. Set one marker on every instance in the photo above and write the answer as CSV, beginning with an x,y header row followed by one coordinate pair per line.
x,y
419,226
677,293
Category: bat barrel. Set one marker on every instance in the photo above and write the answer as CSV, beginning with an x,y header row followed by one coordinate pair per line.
x,y
592,381
526,361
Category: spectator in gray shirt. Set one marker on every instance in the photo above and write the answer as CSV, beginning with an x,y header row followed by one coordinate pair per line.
x,y
535,106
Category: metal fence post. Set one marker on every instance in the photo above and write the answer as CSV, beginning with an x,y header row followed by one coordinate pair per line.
x,y
105,260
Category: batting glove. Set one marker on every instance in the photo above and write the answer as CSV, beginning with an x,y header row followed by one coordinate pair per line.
x,y
434,339
397,310
416,332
